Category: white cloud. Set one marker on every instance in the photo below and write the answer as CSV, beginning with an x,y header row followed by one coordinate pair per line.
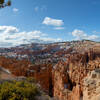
x,y
59,28
51,39
8,29
11,36
80,34
53,22
96,32
15,10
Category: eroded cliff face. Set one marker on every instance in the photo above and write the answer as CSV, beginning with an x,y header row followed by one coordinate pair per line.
x,y
91,89
69,75
42,73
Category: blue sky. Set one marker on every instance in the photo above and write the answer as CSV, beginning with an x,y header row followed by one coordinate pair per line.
x,y
49,20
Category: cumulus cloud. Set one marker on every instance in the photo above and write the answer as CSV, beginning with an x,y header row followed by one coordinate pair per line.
x,y
80,34
8,29
15,10
11,36
52,22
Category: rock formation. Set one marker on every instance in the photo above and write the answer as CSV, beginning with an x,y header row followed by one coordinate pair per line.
x,y
69,75
92,86
42,73
62,78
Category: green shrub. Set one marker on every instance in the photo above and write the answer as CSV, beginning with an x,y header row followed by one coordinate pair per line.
x,y
18,90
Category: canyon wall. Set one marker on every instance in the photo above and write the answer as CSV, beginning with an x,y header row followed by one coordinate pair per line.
x,y
69,75
42,73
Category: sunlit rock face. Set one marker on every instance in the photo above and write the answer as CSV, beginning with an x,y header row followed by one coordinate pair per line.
x,y
69,75
64,89
92,86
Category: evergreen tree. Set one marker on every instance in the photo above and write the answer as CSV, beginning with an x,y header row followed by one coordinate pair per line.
x,y
4,4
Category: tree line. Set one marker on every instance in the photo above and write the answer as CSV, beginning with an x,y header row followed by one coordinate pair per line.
x,y
4,3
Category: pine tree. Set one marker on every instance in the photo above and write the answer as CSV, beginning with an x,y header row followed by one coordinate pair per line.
x,y
4,4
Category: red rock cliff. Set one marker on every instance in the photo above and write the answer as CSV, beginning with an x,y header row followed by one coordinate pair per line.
x,y
69,75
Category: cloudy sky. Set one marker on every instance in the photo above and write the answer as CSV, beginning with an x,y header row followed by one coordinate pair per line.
x,y
47,21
